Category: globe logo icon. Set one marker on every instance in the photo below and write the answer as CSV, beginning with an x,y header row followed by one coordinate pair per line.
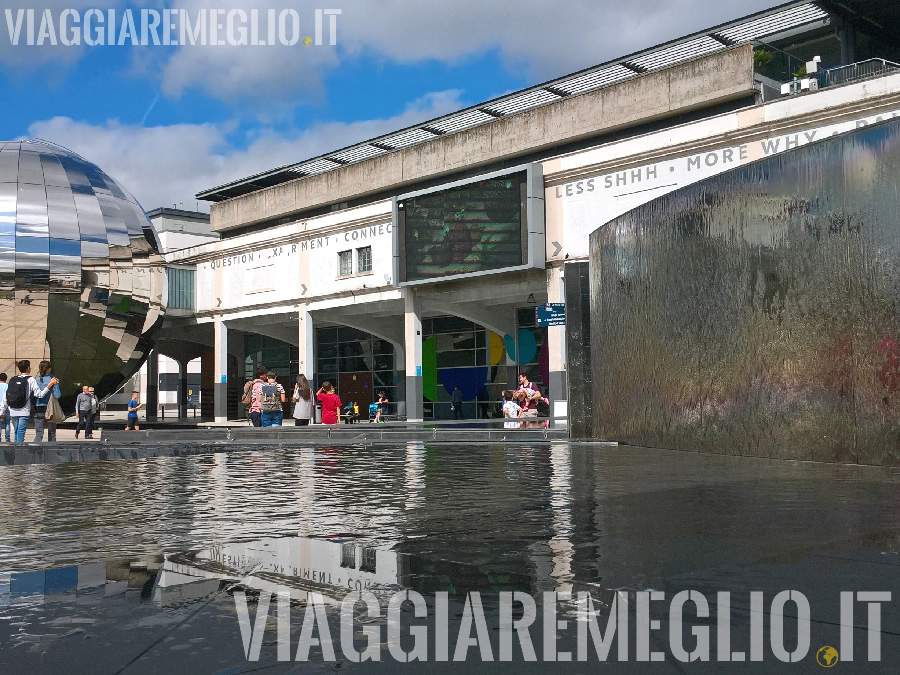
x,y
827,657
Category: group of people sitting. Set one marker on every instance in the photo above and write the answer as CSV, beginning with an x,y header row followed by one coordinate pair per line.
x,y
264,398
524,403
25,397
376,410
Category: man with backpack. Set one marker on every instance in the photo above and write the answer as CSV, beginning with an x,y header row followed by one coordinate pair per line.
x,y
251,396
272,398
5,421
16,403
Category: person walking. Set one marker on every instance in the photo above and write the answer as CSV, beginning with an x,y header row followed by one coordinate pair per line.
x,y
84,408
272,398
5,424
456,400
40,405
16,403
133,406
303,401
252,396
331,403
95,411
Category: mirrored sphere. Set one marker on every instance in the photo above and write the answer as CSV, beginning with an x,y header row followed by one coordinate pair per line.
x,y
82,283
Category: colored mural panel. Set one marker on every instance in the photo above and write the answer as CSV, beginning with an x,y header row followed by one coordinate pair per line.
x,y
429,368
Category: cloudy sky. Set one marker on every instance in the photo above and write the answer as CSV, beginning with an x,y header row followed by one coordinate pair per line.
x,y
169,121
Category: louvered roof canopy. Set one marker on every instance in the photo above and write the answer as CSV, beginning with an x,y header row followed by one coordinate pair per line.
x,y
802,13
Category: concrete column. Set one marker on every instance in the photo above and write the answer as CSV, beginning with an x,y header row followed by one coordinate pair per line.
x,y
413,351
556,348
578,352
512,368
152,386
220,382
306,345
182,389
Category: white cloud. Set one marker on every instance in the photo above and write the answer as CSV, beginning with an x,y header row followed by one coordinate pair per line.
x,y
167,165
548,39
20,57
545,39
542,39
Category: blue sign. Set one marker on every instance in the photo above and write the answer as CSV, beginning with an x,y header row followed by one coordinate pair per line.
x,y
224,379
418,371
551,314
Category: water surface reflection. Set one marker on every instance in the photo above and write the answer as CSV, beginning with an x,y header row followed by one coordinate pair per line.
x,y
167,532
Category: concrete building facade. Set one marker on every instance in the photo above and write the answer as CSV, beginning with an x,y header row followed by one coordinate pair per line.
x,y
304,277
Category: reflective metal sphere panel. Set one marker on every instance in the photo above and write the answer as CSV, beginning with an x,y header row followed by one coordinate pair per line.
x,y
758,312
81,280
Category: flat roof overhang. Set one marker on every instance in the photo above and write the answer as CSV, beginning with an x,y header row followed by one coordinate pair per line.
x,y
698,83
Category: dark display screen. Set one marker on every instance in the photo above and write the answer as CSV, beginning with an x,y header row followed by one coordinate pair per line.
x,y
472,228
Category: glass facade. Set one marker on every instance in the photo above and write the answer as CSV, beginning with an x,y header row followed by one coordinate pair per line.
x,y
357,363
460,353
181,288
262,350
81,281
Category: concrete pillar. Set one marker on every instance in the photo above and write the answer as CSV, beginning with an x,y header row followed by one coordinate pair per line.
x,y
512,367
152,386
182,389
556,348
306,345
220,386
578,350
412,346
847,38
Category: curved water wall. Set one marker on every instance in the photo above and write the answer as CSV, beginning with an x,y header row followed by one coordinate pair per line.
x,y
758,312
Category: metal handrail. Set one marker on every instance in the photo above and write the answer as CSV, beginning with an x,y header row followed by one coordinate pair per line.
x,y
856,71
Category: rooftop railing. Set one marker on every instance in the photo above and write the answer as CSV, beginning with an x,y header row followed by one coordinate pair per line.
x,y
858,71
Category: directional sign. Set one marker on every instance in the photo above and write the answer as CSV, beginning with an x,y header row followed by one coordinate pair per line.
x,y
551,314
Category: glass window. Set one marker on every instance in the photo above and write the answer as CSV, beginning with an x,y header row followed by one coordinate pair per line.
x,y
345,263
328,351
460,359
384,362
368,560
383,379
327,334
327,365
382,347
525,316
364,259
346,334
348,556
452,324
353,364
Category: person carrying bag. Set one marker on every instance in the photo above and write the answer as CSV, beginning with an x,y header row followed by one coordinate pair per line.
x,y
42,417
303,401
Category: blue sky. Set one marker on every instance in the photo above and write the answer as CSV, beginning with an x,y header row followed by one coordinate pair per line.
x,y
170,121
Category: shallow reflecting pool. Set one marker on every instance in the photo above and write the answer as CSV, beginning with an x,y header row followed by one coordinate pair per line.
x,y
140,564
